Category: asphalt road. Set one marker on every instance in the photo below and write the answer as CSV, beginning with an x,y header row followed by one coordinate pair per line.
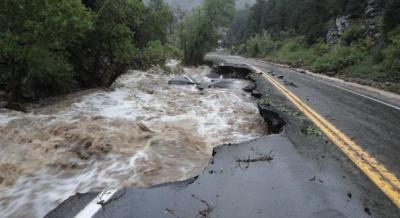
x,y
373,124
306,176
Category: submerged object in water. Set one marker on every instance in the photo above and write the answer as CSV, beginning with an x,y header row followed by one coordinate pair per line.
x,y
183,80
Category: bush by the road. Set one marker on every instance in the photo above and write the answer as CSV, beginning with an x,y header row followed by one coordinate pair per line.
x,y
392,55
338,58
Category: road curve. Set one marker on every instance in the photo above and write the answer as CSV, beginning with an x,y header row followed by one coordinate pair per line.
x,y
371,123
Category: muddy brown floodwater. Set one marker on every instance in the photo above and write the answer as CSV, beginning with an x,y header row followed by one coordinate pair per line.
x,y
141,133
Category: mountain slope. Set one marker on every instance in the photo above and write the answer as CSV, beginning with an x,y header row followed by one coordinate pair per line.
x,y
189,4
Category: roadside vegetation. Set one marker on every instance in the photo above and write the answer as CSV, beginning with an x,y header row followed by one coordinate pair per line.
x,y
357,40
53,47
201,29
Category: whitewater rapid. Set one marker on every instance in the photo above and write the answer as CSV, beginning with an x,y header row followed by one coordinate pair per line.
x,y
140,133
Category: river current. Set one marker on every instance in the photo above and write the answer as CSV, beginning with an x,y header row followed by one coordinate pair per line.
x,y
141,132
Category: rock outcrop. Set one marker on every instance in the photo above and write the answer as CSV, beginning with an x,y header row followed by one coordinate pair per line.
x,y
335,32
371,22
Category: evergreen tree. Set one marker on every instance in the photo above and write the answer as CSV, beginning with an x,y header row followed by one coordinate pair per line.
x,y
392,15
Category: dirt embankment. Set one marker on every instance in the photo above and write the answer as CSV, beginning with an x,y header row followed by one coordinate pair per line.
x,y
386,86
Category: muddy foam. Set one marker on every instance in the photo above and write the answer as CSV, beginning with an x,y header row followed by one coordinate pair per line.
x,y
140,133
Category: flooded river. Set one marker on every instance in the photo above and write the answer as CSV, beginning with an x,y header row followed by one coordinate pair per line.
x,y
140,133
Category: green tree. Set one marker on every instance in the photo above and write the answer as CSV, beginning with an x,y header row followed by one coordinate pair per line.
x,y
261,45
257,20
200,31
156,24
355,8
109,49
391,18
34,38
239,29
47,47
219,12
196,37
313,27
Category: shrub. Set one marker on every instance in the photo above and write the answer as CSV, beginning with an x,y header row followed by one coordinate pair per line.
x,y
338,58
392,55
368,70
321,48
352,34
260,45
173,52
296,52
157,53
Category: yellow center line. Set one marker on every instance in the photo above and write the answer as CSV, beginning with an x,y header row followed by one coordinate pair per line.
x,y
383,178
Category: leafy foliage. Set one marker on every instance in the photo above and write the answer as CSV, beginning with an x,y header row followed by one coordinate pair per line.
x,y
306,18
49,47
200,30
338,58
392,55
239,29
391,16
35,36
294,31
352,34
261,45
156,24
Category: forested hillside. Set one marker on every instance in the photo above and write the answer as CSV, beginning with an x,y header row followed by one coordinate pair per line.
x,y
50,47
190,4
54,47
357,39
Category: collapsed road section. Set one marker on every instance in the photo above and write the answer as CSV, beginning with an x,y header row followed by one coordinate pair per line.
x,y
294,172
142,132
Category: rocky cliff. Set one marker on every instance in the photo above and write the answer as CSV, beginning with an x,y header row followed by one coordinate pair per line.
x,y
370,23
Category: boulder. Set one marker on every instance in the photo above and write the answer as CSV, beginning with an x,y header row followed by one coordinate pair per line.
x,y
289,83
370,12
334,33
341,24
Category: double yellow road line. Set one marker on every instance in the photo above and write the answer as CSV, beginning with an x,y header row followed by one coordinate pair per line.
x,y
383,178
